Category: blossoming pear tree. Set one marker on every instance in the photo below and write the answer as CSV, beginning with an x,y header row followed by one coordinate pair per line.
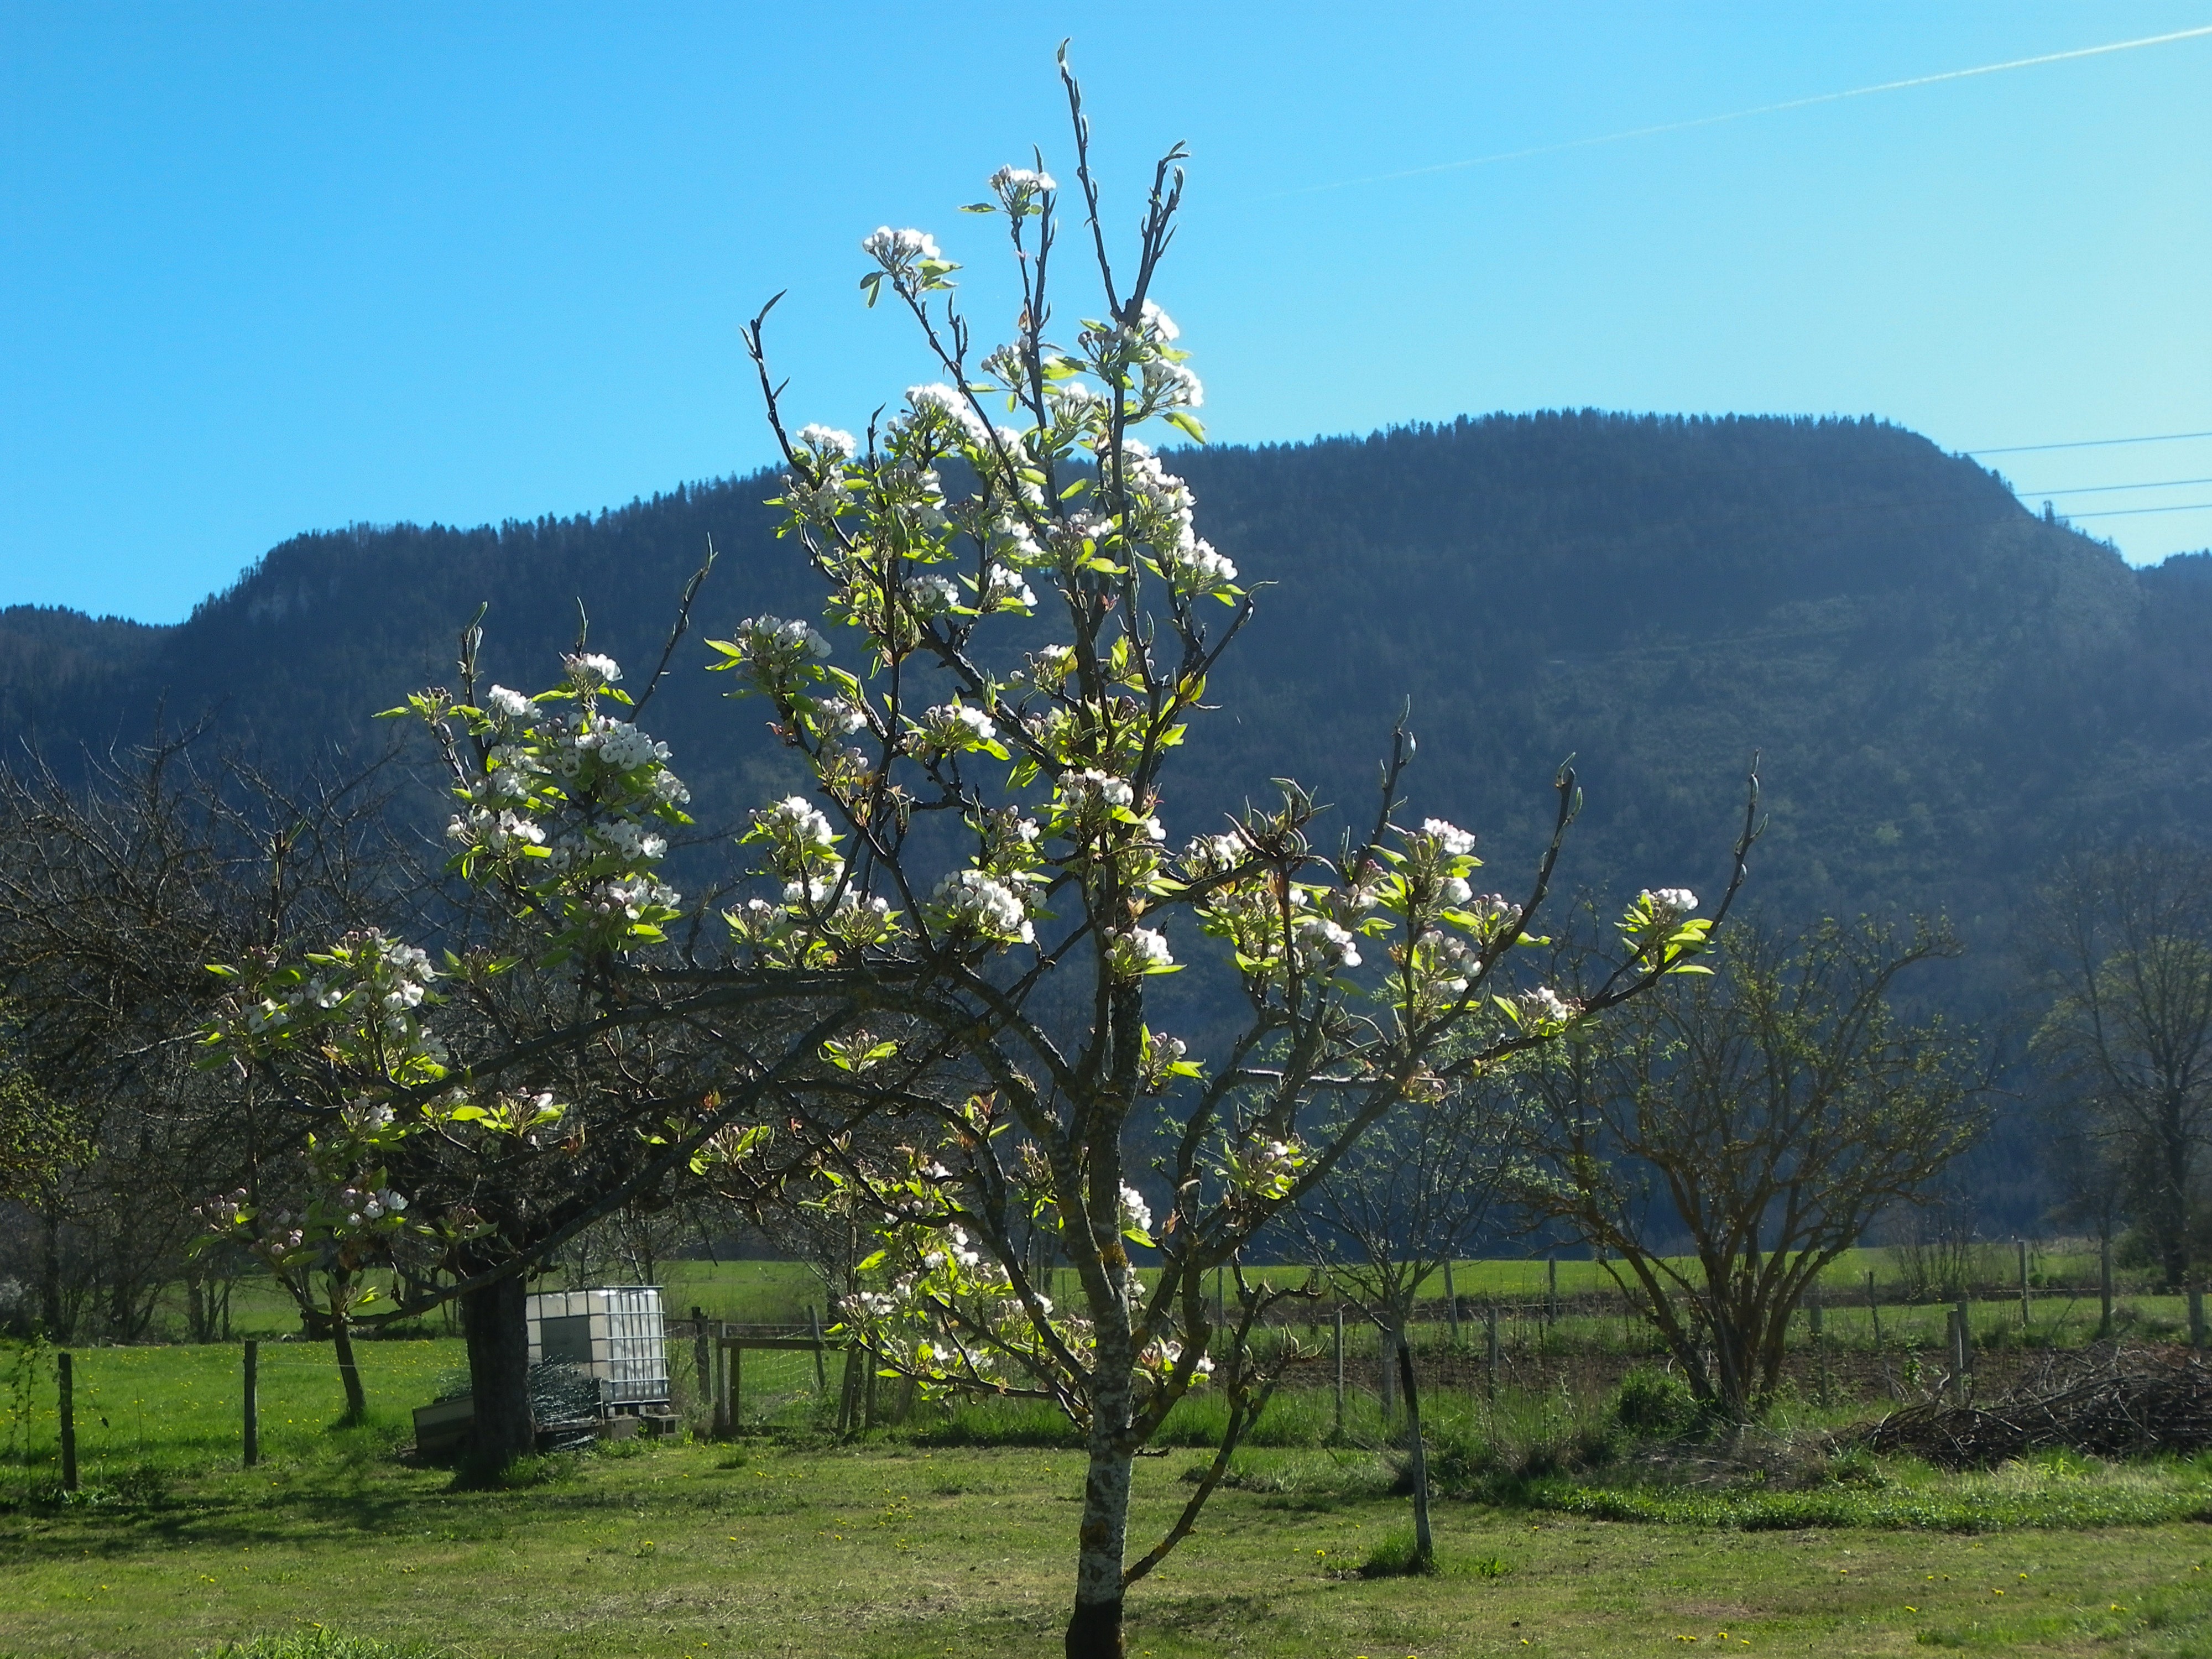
x,y
1015,493
459,1121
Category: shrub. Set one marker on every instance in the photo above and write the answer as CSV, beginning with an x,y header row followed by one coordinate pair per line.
x,y
1654,1404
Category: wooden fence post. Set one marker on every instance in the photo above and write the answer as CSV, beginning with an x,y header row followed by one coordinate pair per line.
x,y
252,1402
1552,1291
1340,1372
65,1379
2022,1243
1451,1304
1874,1310
2197,1315
849,1388
721,1367
702,1357
1820,1348
814,1324
1490,1338
2105,1286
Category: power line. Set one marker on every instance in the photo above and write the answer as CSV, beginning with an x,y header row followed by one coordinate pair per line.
x,y
2130,512
2106,490
2088,443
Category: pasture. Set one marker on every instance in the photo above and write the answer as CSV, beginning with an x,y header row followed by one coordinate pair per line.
x,y
952,1535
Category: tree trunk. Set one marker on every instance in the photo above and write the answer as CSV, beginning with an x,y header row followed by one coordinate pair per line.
x,y
357,1405
498,1332
1425,1544
1094,1629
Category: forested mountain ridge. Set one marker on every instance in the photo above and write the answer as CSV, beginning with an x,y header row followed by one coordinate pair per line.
x,y
1945,688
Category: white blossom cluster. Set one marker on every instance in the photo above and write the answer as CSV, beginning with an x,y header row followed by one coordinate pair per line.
x,y
1544,1007
774,651
1669,904
978,905
1138,952
953,728
1323,946
898,250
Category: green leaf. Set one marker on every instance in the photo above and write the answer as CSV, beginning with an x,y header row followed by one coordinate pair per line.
x,y
1184,421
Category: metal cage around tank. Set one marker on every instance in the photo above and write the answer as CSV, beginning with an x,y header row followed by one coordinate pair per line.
x,y
615,1333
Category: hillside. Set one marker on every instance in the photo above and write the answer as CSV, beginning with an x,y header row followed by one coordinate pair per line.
x,y
1944,688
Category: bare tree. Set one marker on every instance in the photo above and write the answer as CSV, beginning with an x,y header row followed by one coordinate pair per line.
x,y
1771,1112
119,888
2123,940
1409,1196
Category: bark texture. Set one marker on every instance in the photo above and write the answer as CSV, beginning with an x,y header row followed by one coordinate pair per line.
x,y
499,1373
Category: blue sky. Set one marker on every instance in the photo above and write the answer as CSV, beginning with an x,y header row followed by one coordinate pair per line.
x,y
269,269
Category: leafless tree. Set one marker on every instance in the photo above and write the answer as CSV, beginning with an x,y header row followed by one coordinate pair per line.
x,y
1772,1111
2123,940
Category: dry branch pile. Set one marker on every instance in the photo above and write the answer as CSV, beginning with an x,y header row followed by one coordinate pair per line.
x,y
2112,1403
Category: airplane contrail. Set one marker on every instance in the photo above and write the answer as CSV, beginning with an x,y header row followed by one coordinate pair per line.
x,y
1745,114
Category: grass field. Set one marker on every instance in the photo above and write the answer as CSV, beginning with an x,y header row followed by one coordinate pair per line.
x,y
911,1546
780,1292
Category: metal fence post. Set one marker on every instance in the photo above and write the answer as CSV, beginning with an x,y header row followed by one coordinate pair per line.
x,y
1490,1341
814,1324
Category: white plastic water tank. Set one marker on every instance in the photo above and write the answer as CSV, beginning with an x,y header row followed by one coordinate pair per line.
x,y
615,1333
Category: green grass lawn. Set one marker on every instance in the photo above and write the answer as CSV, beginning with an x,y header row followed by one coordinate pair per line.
x,y
903,1547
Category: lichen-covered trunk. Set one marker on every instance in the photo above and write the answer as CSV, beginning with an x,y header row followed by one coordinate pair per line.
x,y
1094,1629
499,1373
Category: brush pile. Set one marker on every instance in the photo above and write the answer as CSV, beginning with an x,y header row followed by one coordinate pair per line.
x,y
2110,1403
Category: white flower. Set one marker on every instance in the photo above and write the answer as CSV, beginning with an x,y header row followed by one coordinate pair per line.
x,y
839,717
933,596
828,442
1455,842
976,902
1455,891
1199,570
1140,951
589,671
1493,914
1669,904
507,705
798,820
1020,181
1158,322
621,746
1136,1215
944,400
631,843
1324,945
896,250
1545,1006
775,650
1090,788
951,727
1005,590
1214,855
